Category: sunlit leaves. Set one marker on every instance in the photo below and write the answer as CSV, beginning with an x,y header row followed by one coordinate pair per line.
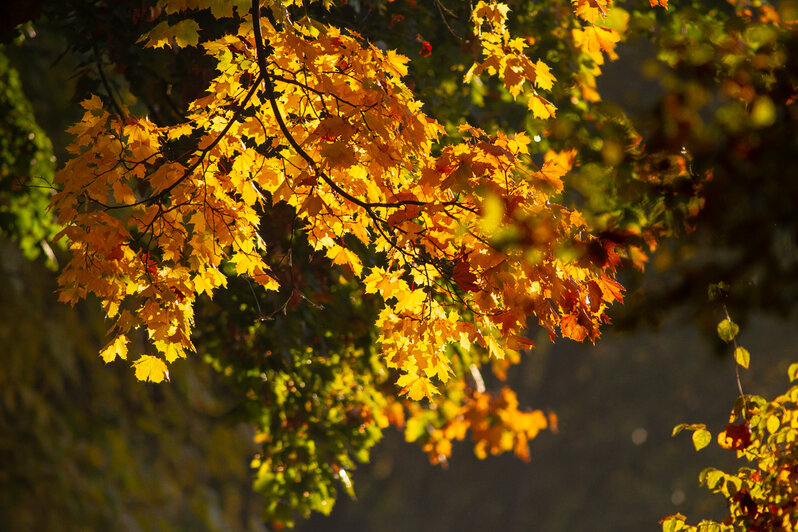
x,y
183,33
701,436
116,348
505,57
460,242
591,10
415,387
761,494
150,368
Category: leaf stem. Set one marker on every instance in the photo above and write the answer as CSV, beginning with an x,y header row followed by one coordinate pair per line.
x,y
736,365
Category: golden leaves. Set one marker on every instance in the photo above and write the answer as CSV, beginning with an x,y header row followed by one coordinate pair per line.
x,y
505,57
543,77
591,10
594,40
116,348
416,387
496,423
150,368
554,168
345,257
467,240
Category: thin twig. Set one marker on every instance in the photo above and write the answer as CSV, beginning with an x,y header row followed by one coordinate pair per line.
x,y
736,365
114,104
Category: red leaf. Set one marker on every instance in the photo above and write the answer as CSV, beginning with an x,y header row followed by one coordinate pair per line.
x,y
464,278
735,437
596,296
426,49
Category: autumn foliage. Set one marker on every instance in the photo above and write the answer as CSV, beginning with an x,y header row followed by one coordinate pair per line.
x,y
309,170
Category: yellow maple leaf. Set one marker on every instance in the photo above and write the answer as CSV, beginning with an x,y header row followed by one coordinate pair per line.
x,y
150,368
116,348
345,257
395,63
416,387
494,348
409,300
540,107
591,10
543,76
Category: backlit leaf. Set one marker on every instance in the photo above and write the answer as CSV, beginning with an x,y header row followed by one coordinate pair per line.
x,y
742,357
150,368
701,438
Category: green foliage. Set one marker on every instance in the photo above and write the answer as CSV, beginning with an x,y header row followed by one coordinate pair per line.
x,y
26,170
309,378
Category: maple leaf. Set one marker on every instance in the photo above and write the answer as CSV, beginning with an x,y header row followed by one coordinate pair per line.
x,y
345,257
150,368
591,10
182,34
115,348
572,328
541,107
464,278
395,63
543,77
409,300
416,387
556,165
611,290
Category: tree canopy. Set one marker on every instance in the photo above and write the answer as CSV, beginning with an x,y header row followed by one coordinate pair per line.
x,y
360,213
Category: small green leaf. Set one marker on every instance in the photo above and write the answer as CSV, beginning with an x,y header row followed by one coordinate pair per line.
x,y
742,357
727,330
701,439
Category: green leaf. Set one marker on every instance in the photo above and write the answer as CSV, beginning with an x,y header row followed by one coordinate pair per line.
x,y
184,33
742,357
727,330
701,439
